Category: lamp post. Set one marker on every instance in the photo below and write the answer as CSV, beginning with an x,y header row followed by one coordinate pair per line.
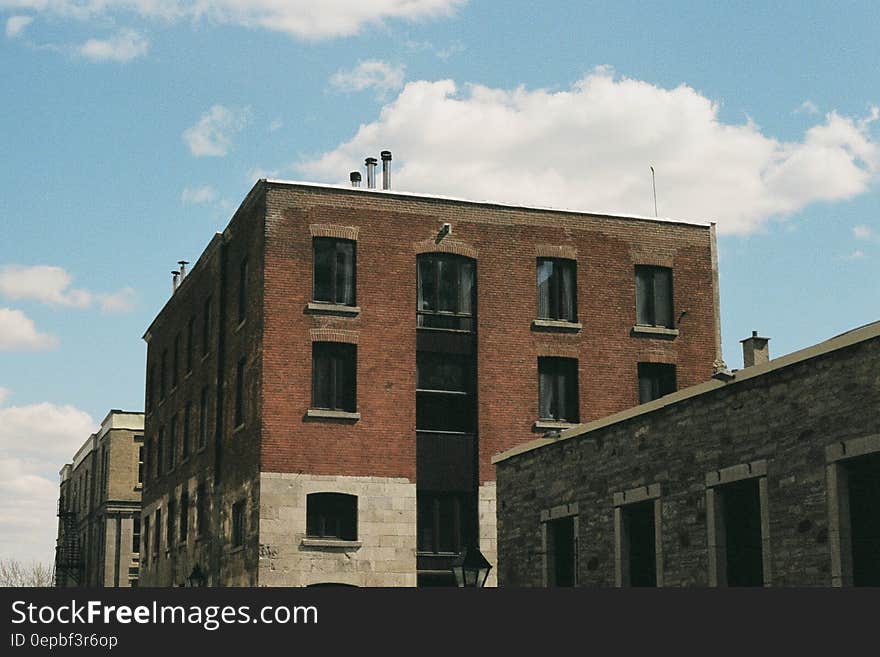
x,y
473,569
196,578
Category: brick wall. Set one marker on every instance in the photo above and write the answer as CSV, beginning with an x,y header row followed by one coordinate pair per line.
x,y
786,417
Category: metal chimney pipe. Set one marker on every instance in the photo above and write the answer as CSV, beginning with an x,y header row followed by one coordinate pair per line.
x,y
175,275
355,178
386,169
371,172
183,264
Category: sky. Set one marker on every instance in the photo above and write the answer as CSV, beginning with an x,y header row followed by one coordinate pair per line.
x,y
132,129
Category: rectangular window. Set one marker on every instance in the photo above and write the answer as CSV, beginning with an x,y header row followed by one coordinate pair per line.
x,y
557,289
242,290
175,361
444,395
136,535
638,544
558,396
146,538
335,270
239,394
201,509
185,442
203,418
656,380
446,292
157,532
105,472
561,552
172,444
206,327
238,523
190,347
446,521
184,516
169,521
654,296
140,478
163,374
160,452
738,535
334,376
331,515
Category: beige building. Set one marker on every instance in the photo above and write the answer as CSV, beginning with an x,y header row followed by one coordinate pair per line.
x,y
99,506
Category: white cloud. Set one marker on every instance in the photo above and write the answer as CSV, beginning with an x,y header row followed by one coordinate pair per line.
x,y
590,147
18,333
15,25
121,47
807,107
862,232
304,19
369,74
211,136
4,395
35,441
198,195
51,285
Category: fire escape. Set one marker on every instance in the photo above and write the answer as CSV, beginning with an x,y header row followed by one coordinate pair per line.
x,y
68,555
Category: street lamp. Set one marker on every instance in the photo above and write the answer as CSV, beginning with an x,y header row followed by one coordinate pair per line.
x,y
196,578
473,569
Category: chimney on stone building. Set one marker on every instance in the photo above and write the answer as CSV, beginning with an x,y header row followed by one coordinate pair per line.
x,y
755,350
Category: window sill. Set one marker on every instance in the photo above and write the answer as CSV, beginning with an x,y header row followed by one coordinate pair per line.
x,y
324,308
550,425
556,325
139,487
324,414
656,331
330,543
443,330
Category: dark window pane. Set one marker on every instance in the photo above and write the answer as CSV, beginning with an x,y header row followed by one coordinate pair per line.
x,y
324,256
345,272
655,380
185,445
427,284
663,297
641,543
446,291
644,296
331,515
447,277
567,291
437,371
558,395
545,272
334,376
445,412
446,521
184,516
466,287
556,289
654,296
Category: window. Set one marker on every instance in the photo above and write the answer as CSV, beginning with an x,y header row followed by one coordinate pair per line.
x,y
654,296
163,374
105,472
175,361
157,532
206,327
242,290
190,337
184,516
446,292
558,389
557,289
331,515
185,443
861,479
172,444
238,523
334,376
136,535
335,270
638,544
738,541
446,521
201,509
169,520
239,394
140,478
444,394
160,452
561,552
146,537
655,380
203,418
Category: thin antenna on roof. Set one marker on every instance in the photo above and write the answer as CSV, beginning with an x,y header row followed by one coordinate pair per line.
x,y
654,185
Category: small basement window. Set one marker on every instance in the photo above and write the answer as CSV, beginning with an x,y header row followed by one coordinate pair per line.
x,y
331,515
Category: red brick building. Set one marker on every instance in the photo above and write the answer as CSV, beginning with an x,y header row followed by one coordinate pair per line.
x,y
327,385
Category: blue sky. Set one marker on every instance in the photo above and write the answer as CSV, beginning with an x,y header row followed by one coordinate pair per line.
x,y
132,129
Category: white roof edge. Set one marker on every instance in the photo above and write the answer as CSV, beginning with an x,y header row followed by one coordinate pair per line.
x,y
847,339
504,204
117,419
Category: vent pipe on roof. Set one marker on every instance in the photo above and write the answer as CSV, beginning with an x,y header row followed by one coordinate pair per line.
x,y
355,178
371,172
755,350
386,169
183,264
175,276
